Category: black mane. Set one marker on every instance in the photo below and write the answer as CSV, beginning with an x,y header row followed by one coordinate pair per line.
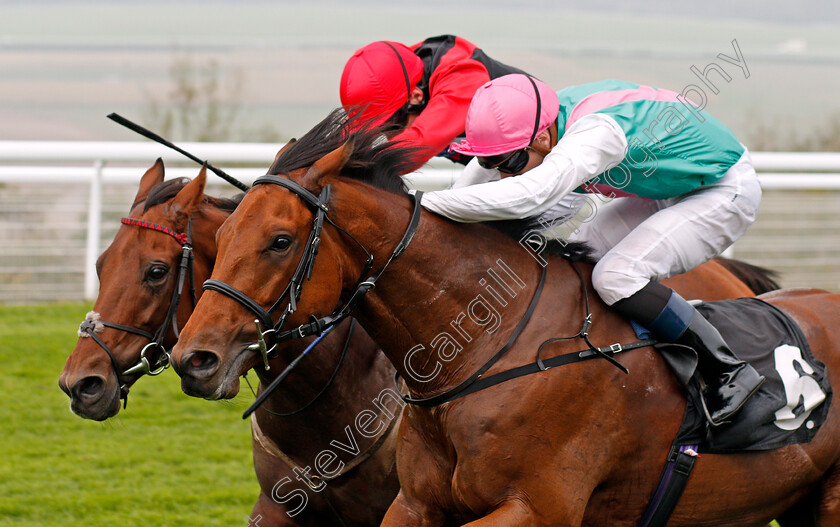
x,y
380,163
374,160
167,190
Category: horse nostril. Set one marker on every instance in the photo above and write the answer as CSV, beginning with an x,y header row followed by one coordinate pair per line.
x,y
89,387
200,363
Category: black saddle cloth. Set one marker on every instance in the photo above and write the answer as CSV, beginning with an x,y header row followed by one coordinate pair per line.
x,y
793,402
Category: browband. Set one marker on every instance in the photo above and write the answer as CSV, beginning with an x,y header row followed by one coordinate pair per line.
x,y
304,194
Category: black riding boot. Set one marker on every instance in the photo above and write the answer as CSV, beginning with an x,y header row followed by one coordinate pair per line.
x,y
730,381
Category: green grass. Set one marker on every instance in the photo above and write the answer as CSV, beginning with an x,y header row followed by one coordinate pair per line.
x,y
167,460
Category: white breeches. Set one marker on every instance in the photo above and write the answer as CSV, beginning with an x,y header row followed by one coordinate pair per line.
x,y
640,240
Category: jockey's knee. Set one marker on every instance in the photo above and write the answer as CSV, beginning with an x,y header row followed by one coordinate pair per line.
x,y
613,282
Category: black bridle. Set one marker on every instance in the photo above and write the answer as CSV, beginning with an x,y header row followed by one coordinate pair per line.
x,y
93,324
274,335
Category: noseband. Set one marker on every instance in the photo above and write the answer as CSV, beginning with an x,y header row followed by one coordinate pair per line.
x,y
93,324
274,335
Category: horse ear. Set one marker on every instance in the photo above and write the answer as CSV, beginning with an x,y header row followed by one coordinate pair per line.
x,y
285,147
329,165
272,169
152,178
189,198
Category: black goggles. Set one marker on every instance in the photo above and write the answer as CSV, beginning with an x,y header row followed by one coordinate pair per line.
x,y
507,163
400,118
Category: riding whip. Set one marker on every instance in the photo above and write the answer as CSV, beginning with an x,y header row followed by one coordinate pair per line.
x,y
155,137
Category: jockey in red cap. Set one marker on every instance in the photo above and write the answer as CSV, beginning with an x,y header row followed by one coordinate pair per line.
x,y
424,90
685,190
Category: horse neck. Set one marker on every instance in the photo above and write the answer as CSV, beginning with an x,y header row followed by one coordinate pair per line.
x,y
436,295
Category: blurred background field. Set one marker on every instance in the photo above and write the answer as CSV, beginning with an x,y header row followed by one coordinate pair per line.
x,y
66,64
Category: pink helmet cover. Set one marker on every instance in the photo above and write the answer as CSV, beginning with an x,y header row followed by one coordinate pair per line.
x,y
502,114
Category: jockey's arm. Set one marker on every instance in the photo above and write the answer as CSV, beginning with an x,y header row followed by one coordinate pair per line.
x,y
474,174
592,145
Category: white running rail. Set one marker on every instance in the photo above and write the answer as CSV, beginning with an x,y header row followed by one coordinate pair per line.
x,y
99,164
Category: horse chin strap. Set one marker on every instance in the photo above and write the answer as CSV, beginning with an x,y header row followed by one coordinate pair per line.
x,y
93,323
273,334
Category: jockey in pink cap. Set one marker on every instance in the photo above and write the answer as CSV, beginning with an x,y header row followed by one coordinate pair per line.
x,y
686,190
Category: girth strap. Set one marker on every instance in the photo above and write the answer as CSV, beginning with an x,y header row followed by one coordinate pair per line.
x,y
672,483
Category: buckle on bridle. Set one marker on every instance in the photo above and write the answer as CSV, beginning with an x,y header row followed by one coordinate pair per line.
x,y
260,345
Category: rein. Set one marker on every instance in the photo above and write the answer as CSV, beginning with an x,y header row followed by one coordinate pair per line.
x,y
271,387
93,324
319,204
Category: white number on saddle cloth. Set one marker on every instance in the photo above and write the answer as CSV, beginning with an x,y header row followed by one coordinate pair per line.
x,y
798,389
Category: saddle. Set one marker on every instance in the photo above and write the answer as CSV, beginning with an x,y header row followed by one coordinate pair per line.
x,y
790,406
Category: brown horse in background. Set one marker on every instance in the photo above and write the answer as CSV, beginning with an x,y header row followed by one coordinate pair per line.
x,y
578,445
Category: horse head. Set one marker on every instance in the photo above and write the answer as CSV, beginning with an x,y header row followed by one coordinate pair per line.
x,y
267,267
146,283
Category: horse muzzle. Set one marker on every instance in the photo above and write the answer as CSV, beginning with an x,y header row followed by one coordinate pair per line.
x,y
203,375
93,397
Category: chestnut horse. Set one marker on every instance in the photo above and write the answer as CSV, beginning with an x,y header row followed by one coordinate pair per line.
x,y
132,293
127,272
581,444
138,275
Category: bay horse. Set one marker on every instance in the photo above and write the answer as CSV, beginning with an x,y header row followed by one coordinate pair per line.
x,y
132,293
138,275
576,445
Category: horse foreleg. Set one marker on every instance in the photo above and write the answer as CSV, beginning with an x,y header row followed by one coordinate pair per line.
x,y
828,499
268,513
404,512
802,514
511,514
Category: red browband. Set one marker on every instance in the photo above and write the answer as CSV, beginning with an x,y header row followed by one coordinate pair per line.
x,y
179,237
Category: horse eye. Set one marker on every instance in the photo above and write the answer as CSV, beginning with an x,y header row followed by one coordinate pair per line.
x,y
281,243
156,272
